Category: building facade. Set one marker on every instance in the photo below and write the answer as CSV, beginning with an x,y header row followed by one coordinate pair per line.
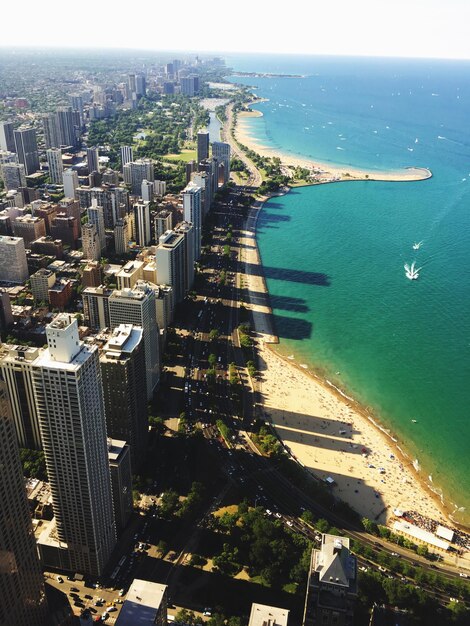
x,y
69,397
122,362
22,597
13,264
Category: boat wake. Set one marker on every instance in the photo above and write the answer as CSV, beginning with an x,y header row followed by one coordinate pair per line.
x,y
411,272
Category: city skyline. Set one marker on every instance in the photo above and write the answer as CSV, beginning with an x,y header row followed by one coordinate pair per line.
x,y
421,29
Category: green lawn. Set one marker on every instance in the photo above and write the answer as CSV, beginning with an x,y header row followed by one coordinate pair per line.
x,y
185,155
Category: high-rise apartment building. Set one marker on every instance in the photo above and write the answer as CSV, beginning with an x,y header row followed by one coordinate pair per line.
x,y
170,260
187,230
147,191
67,129
221,152
96,307
192,212
137,306
13,265
6,312
14,175
96,216
163,222
92,159
16,369
7,139
51,130
122,363
91,243
129,274
121,480
137,171
27,149
76,102
114,200
202,145
127,155
332,584
22,597
142,225
121,235
264,615
92,275
69,398
56,167
70,180
41,282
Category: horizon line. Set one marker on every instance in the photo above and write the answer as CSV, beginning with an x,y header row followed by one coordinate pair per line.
x,y
112,48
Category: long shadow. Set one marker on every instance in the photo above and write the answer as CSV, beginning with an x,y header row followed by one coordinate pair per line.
x,y
281,273
292,327
287,303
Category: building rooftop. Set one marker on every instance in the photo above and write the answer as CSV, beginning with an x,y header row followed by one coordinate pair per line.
x,y
115,448
333,562
142,604
263,615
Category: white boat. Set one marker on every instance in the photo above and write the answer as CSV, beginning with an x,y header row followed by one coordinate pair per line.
x,y
417,246
411,272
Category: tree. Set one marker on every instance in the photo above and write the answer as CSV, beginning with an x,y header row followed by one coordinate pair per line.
x,y
212,359
214,334
187,617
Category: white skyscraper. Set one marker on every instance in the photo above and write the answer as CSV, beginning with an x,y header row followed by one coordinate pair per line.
x,y
192,212
56,168
14,175
91,243
69,398
170,258
127,155
70,184
135,172
96,217
143,231
147,191
137,306
13,265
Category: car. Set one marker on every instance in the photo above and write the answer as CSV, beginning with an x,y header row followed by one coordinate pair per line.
x,y
121,593
289,523
60,579
462,575
207,612
111,609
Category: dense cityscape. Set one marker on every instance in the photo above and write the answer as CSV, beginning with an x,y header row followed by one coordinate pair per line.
x,y
142,481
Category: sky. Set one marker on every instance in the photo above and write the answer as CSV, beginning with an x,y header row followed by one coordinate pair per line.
x,y
397,28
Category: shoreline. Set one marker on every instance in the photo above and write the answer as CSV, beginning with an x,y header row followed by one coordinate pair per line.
x,y
322,171
402,485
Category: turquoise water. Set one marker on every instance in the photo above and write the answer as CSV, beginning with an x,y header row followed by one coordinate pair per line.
x,y
334,254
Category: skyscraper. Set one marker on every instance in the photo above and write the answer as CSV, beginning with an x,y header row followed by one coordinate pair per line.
x,y
92,159
51,130
192,212
96,307
221,151
202,145
96,217
147,190
56,167
13,265
66,127
121,479
127,155
7,140
16,369
14,175
91,243
122,363
69,398
22,599
70,179
187,230
332,584
27,149
135,172
137,306
143,231
170,259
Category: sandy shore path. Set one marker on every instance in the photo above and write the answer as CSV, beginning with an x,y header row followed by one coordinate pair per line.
x,y
324,431
323,172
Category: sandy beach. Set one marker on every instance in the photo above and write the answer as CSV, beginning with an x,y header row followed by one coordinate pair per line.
x,y
324,172
326,432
